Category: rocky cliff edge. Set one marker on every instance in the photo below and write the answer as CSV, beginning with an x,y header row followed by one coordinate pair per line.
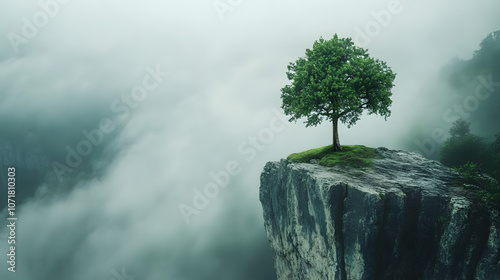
x,y
407,217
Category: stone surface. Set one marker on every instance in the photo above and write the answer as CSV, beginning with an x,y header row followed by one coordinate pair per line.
x,y
405,218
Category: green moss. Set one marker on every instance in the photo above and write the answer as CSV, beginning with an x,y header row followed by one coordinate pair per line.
x,y
356,156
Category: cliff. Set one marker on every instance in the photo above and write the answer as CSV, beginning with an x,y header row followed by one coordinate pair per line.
x,y
405,218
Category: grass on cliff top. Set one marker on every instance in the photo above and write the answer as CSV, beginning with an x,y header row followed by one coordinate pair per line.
x,y
355,156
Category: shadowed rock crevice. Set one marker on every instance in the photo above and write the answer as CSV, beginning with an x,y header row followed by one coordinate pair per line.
x,y
405,218
336,203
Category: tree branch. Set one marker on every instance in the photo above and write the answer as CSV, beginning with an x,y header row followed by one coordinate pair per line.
x,y
343,113
363,106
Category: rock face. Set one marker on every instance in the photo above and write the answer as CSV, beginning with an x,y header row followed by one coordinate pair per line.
x,y
405,218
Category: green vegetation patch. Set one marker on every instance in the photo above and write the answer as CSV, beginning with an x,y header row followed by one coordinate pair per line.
x,y
489,188
473,156
355,156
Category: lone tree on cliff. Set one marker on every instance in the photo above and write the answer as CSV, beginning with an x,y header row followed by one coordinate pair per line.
x,y
337,81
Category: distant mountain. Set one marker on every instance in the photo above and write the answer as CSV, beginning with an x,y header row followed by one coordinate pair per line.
x,y
467,79
467,89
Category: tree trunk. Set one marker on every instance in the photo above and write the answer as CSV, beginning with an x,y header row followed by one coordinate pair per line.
x,y
336,143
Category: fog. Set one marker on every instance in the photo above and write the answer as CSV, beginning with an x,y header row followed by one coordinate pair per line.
x,y
207,78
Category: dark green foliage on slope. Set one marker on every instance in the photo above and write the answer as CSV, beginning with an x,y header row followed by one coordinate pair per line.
x,y
463,147
473,158
489,189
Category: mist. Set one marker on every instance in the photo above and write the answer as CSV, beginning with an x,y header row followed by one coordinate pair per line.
x,y
117,115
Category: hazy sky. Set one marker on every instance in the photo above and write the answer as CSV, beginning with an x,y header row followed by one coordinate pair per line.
x,y
187,88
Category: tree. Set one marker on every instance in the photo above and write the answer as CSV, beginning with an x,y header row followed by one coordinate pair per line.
x,y
489,52
337,81
460,128
463,147
496,143
495,153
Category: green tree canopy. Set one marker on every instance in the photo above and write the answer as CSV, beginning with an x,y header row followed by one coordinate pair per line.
x,y
463,147
460,128
337,80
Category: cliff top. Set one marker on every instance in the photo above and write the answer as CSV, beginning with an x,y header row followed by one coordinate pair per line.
x,y
384,169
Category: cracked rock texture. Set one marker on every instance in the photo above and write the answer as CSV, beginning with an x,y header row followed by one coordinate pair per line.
x,y
406,218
